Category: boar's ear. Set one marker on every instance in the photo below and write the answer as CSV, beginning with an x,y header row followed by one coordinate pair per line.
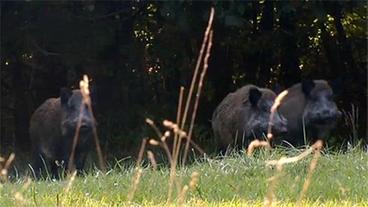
x,y
254,96
307,86
65,94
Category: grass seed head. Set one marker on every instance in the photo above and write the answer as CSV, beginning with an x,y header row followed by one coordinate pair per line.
x,y
153,142
152,159
194,180
149,121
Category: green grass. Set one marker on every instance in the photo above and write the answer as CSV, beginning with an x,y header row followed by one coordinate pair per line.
x,y
340,179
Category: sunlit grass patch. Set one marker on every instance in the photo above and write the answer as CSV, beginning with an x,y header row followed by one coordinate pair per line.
x,y
340,179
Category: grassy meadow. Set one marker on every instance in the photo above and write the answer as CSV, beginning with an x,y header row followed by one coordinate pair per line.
x,y
339,179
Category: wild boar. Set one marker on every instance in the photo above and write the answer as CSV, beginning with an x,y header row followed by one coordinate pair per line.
x,y
311,101
52,130
244,115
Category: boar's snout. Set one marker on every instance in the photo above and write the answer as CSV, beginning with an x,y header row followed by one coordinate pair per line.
x,y
86,123
327,116
279,124
282,130
86,126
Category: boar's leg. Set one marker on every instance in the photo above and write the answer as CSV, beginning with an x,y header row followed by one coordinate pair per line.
x,y
226,141
38,164
54,169
80,159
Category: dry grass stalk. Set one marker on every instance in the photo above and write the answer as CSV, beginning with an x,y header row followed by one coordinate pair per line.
x,y
194,180
182,135
154,142
182,195
286,160
71,167
274,107
18,196
162,144
199,60
257,144
4,169
163,138
97,143
153,125
196,147
85,92
135,183
270,196
71,178
166,148
141,152
317,146
351,119
70,181
192,184
179,133
84,88
152,159
175,127
138,171
198,95
84,85
177,141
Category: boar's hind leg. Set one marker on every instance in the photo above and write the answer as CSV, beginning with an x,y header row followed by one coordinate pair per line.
x,y
54,169
225,141
80,160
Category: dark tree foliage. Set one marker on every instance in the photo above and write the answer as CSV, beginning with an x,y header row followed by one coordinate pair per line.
x,y
138,54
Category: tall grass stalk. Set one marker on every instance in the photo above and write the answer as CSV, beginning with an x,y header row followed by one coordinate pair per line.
x,y
4,168
198,95
178,127
351,119
270,196
317,152
138,172
84,88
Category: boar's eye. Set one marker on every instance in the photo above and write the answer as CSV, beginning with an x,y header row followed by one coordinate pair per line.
x,y
313,98
72,106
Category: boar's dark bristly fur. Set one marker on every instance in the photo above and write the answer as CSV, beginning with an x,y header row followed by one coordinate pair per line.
x,y
52,129
244,115
311,100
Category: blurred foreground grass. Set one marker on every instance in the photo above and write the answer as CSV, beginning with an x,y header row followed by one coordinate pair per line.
x,y
340,179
